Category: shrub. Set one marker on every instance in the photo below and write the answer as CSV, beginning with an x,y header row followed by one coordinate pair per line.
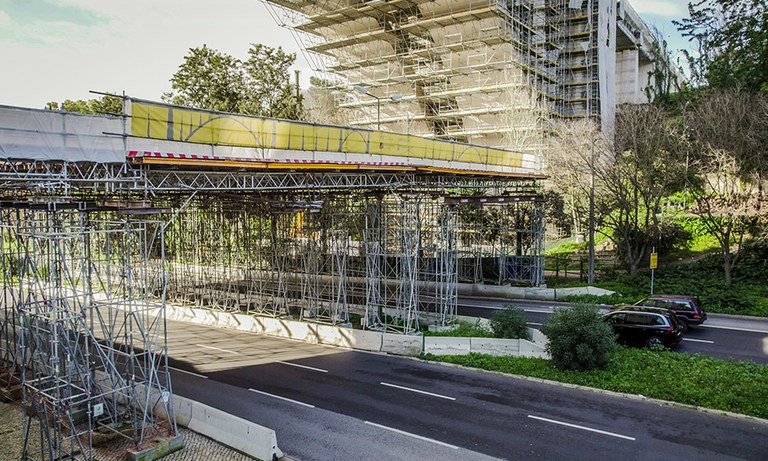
x,y
511,322
579,339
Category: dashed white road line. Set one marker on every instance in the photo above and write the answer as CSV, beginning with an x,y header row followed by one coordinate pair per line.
x,y
415,436
282,398
188,372
699,340
733,328
535,323
419,391
584,428
217,349
302,366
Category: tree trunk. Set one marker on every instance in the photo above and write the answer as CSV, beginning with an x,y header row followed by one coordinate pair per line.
x,y
728,268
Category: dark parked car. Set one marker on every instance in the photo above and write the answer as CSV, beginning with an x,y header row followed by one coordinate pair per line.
x,y
687,308
649,326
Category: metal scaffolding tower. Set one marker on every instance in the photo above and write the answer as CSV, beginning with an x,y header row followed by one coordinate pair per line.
x,y
370,231
90,348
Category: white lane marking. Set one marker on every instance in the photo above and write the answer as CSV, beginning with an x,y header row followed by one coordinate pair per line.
x,y
535,323
417,390
282,398
576,426
188,372
302,366
540,311
733,328
426,439
699,340
217,349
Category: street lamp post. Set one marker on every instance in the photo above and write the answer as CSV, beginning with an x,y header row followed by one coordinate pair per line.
x,y
395,97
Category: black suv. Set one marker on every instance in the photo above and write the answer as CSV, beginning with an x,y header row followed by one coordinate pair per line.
x,y
687,308
649,326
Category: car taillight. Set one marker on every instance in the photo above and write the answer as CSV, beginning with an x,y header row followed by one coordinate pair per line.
x,y
670,329
696,315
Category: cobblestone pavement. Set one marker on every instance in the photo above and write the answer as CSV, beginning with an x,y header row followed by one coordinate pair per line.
x,y
196,446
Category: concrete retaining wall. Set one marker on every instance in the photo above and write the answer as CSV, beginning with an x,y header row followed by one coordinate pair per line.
x,y
443,345
545,294
391,343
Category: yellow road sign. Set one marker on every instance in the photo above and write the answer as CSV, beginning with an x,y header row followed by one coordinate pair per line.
x,y
654,260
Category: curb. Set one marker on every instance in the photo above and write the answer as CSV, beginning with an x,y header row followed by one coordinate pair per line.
x,y
637,397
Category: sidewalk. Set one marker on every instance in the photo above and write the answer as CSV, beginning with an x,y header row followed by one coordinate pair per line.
x,y
196,446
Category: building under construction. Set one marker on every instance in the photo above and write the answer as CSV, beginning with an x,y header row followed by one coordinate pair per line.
x,y
107,219
488,72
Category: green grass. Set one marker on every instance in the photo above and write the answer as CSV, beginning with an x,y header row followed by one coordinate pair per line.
x,y
464,330
739,387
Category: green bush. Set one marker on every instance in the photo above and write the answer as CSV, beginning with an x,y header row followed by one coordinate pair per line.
x,y
463,330
511,322
579,339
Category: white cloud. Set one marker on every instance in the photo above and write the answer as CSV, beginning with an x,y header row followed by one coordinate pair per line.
x,y
136,49
664,8
5,20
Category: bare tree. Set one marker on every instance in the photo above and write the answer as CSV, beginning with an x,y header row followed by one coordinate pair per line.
x,y
730,131
574,150
321,101
649,164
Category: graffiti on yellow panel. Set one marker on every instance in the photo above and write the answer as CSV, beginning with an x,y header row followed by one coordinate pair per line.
x,y
173,123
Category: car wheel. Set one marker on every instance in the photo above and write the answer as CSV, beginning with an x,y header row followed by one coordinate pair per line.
x,y
654,342
683,326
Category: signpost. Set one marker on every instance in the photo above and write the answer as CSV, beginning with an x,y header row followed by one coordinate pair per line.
x,y
654,265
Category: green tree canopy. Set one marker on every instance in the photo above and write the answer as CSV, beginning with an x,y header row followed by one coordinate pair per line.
x,y
103,105
261,85
732,41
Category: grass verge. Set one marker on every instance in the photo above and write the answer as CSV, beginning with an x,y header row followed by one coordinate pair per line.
x,y
738,387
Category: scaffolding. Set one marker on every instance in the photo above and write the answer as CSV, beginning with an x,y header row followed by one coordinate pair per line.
x,y
488,72
88,339
91,253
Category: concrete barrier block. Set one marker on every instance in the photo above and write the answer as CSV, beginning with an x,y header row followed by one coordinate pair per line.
x,y
495,346
402,344
237,433
327,334
538,337
529,349
294,330
547,294
271,326
365,340
444,345
244,322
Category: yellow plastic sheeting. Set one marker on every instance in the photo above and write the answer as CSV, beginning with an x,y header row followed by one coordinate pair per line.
x,y
172,123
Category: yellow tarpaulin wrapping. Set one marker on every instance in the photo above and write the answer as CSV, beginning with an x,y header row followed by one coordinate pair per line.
x,y
172,123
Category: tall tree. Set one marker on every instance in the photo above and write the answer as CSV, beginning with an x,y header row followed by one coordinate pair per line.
x,y
321,102
576,148
649,164
270,92
732,43
210,79
730,132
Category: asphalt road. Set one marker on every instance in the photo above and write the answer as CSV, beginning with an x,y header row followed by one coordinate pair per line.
x,y
721,336
327,403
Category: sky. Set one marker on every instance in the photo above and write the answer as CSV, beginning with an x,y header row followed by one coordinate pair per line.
x,y
52,50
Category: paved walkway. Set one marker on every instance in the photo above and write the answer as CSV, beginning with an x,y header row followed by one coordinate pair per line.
x,y
196,446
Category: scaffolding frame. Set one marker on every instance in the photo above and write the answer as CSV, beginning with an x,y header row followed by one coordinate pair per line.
x,y
317,245
90,349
